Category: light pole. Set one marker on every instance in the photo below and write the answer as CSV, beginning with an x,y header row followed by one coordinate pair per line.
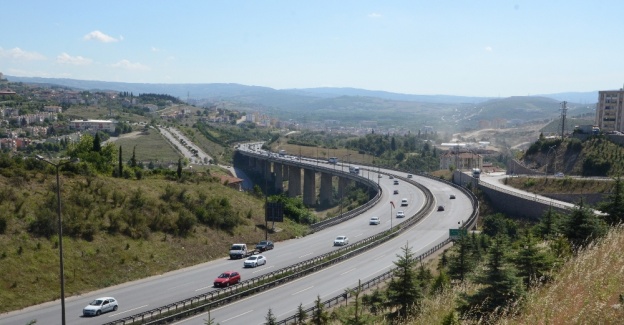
x,y
60,230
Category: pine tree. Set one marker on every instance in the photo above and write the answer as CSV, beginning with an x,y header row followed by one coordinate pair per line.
x,y
531,262
501,287
209,320
461,263
270,318
301,314
319,314
548,227
357,315
404,289
583,226
375,302
614,206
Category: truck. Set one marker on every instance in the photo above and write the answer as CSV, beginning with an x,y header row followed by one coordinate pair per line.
x,y
238,251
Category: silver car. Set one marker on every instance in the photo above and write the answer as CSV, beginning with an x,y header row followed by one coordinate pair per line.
x,y
100,306
341,241
255,260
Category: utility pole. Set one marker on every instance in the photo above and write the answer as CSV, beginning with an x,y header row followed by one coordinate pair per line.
x,y
564,110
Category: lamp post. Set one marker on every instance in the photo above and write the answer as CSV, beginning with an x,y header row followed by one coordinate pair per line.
x,y
60,230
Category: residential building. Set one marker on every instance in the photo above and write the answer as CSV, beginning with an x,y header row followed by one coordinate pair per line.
x,y
610,110
461,160
93,125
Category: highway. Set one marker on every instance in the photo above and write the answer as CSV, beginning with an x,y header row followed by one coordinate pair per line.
x,y
156,291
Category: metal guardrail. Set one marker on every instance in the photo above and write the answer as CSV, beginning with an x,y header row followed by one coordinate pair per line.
x,y
183,309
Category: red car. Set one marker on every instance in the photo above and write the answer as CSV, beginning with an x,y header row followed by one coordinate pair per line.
x,y
226,278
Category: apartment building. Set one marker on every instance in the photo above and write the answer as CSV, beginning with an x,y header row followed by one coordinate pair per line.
x,y
610,110
93,125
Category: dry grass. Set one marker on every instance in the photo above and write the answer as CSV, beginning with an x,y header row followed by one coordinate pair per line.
x,y
150,146
560,185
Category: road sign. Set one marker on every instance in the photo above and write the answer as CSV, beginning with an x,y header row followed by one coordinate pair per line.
x,y
456,233
274,211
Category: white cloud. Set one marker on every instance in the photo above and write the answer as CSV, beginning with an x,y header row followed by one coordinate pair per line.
x,y
127,65
75,60
155,49
20,55
374,15
488,49
99,36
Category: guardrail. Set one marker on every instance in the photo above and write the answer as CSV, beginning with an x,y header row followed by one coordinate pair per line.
x,y
188,307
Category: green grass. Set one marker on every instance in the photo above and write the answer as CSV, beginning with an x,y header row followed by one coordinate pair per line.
x,y
150,146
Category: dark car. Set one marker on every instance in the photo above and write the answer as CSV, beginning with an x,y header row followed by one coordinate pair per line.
x,y
264,245
440,208
452,196
227,278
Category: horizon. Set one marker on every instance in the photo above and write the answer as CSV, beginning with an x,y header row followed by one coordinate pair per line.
x,y
489,49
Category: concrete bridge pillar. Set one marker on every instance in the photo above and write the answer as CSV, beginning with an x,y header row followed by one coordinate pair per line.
x,y
251,162
279,179
309,187
325,192
343,183
294,181
267,170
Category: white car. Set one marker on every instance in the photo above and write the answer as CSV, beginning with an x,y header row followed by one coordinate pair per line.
x,y
100,306
255,260
341,241
403,202
400,214
374,221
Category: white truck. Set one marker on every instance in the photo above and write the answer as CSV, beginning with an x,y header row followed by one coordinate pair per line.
x,y
240,251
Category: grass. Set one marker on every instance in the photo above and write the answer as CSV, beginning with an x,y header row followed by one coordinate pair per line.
x,y
560,185
150,146
29,264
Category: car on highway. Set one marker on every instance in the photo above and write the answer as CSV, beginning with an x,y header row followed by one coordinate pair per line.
x,y
391,177
400,214
341,241
379,176
396,192
255,260
227,278
100,306
396,182
440,208
452,196
559,174
403,202
264,245
409,175
374,221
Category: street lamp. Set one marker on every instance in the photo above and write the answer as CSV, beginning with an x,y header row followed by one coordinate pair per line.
x,y
60,230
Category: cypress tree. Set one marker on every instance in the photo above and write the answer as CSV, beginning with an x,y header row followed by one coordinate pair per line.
x,y
97,146
319,315
301,314
270,318
120,173
133,162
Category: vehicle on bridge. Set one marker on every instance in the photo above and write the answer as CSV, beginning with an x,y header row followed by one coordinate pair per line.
x,y
374,221
476,172
332,160
227,278
255,260
341,241
403,202
264,245
354,170
100,306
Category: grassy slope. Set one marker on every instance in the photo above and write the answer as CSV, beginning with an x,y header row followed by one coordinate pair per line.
x,y
29,265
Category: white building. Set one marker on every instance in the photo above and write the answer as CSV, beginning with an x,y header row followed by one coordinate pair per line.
x,y
93,125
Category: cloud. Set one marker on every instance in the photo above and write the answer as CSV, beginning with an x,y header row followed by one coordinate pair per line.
x,y
488,49
75,60
374,15
99,36
20,55
127,65
155,49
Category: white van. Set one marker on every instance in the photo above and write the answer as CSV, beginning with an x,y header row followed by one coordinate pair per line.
x,y
403,202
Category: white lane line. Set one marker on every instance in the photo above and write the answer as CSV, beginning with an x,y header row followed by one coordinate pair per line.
x,y
378,257
125,311
264,268
306,255
358,235
345,272
300,291
204,288
239,315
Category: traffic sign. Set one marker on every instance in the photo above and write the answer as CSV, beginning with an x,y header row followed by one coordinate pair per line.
x,y
456,233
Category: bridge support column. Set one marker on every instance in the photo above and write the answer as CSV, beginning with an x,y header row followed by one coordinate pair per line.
x,y
309,187
325,192
279,180
343,183
294,181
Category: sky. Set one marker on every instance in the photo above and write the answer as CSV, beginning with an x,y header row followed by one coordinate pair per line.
x,y
492,48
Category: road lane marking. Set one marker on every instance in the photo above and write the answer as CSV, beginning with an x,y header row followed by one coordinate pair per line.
x,y
378,257
263,269
204,288
300,291
125,311
358,235
345,272
239,315
306,255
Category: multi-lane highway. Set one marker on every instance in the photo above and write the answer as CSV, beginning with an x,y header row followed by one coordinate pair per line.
x,y
157,291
